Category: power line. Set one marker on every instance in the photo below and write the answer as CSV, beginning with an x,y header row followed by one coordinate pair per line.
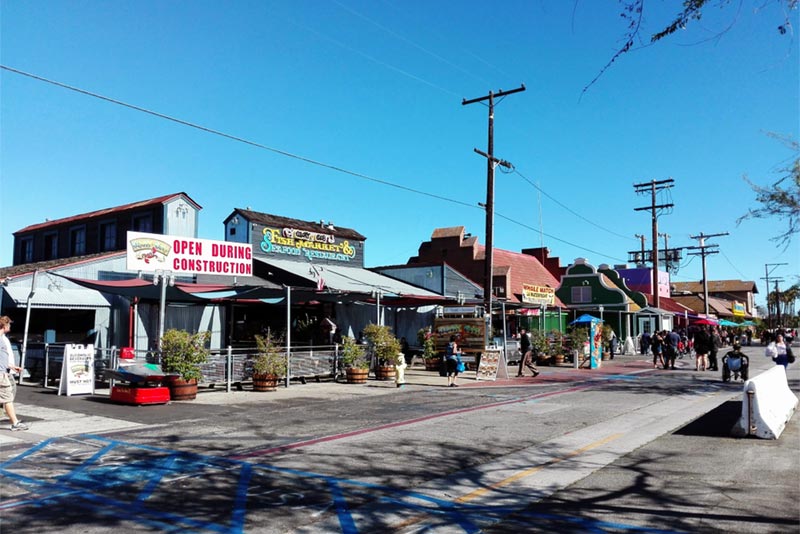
x,y
235,138
287,154
568,208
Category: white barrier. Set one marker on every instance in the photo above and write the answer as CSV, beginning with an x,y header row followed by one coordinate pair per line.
x,y
767,405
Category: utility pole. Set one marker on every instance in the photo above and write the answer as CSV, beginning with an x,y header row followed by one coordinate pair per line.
x,y
767,272
654,186
666,250
491,163
703,252
778,303
641,237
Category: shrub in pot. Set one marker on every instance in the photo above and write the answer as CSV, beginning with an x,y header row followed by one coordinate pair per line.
x,y
182,355
269,364
386,348
428,343
355,361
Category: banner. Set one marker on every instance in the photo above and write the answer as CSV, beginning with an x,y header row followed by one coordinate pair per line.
x,y
183,255
538,294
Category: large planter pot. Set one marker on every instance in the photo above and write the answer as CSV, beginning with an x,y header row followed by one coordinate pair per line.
x,y
384,372
265,382
356,376
180,389
432,364
558,359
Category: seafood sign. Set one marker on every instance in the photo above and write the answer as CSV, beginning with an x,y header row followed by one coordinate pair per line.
x,y
183,255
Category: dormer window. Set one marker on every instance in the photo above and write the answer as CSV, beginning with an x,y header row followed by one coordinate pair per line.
x,y
77,241
143,223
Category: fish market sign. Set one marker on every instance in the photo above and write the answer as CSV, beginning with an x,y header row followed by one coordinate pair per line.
x,y
538,294
182,255
311,245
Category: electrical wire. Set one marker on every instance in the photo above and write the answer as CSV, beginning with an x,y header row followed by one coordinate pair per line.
x,y
569,209
293,156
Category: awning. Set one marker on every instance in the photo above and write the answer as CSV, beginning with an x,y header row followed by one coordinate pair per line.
x,y
56,298
348,279
145,289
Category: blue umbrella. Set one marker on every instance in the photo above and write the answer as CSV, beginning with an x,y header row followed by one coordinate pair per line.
x,y
585,318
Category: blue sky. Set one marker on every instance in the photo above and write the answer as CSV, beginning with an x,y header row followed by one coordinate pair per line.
x,y
375,88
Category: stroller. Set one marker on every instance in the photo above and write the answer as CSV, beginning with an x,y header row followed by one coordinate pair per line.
x,y
735,364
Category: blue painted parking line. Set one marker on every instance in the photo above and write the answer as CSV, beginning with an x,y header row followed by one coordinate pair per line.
x,y
96,485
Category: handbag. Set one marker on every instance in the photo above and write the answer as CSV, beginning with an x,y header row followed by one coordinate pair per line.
x,y
443,367
460,367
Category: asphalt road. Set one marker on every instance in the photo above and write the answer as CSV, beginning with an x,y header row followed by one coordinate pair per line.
x,y
624,448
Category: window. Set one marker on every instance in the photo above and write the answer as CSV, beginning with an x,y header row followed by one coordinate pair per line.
x,y
77,241
581,294
108,236
51,246
26,250
143,223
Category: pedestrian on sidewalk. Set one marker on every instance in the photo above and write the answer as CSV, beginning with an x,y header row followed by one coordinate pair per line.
x,y
702,346
8,386
526,348
452,356
717,342
780,351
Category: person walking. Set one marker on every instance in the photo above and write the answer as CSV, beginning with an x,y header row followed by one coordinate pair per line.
x,y
658,350
8,386
644,344
452,355
613,345
671,349
717,342
780,351
702,346
527,350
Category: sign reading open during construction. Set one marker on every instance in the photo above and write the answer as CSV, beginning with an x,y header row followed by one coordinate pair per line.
x,y
184,255
538,294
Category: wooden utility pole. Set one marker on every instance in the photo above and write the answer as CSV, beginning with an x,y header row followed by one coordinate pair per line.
x,y
654,186
491,163
767,272
703,252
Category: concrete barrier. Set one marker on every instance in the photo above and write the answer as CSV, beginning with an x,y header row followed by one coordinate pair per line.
x,y
767,405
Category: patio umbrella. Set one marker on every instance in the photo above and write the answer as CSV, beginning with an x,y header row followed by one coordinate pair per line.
x,y
706,321
725,322
585,318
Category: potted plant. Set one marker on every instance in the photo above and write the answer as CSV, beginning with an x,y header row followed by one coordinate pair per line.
x,y
354,359
182,354
577,337
540,347
385,347
428,343
556,347
269,365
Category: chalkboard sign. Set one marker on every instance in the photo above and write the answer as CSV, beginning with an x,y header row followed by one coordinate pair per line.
x,y
492,365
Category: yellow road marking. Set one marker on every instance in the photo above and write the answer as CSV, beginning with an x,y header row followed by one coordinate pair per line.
x,y
522,474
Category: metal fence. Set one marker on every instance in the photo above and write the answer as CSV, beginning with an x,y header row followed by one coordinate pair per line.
x,y
230,367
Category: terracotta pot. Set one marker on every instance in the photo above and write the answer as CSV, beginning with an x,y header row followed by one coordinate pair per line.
x,y
357,376
180,389
265,382
384,372
558,359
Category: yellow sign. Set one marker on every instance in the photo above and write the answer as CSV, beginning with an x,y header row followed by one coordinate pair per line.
x,y
538,294
738,309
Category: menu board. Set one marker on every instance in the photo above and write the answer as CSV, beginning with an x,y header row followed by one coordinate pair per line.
x,y
492,362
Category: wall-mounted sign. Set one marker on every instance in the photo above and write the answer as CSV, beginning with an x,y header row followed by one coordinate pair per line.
x,y
309,245
182,255
532,294
738,309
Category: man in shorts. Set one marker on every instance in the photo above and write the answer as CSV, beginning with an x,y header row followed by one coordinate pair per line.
x,y
8,386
